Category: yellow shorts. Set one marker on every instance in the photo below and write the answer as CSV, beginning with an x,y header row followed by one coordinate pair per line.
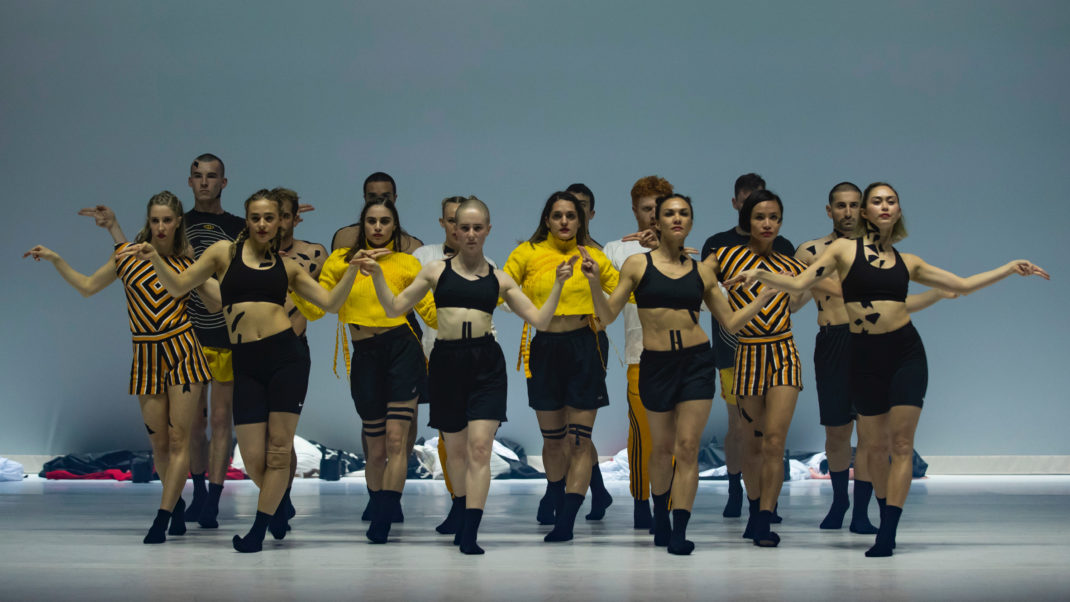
x,y
219,363
728,376
766,362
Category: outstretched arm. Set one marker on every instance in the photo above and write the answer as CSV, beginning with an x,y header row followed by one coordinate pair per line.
x,y
938,278
824,267
539,317
608,309
85,285
210,296
311,291
734,321
920,301
180,283
105,218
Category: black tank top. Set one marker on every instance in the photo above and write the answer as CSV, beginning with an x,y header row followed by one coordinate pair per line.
x,y
455,291
865,283
658,290
242,283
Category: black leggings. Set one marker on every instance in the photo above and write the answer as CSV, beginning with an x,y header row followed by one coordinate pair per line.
x,y
888,370
270,375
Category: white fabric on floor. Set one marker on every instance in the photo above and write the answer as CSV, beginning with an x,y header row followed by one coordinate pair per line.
x,y
10,470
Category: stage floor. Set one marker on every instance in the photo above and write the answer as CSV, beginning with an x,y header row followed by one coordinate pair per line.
x,y
961,538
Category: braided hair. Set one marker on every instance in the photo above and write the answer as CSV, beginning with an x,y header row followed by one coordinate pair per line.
x,y
260,195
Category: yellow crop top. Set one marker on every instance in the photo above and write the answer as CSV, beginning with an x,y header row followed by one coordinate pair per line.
x,y
362,306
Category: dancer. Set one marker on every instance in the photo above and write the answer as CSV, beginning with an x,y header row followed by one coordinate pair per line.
x,y
270,364
377,187
467,369
566,367
830,368
454,520
724,348
169,369
888,369
768,374
645,193
388,368
676,368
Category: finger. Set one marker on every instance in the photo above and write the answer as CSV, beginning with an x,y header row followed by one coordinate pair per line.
x,y
303,207
691,250
583,251
634,236
572,260
88,212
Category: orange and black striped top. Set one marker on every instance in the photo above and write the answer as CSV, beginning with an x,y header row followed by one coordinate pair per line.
x,y
775,317
152,309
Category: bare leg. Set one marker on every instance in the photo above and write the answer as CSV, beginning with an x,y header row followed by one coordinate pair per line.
x,y
663,444
838,452
752,411
477,477
555,463
580,425
182,406
221,416
455,446
691,417
734,451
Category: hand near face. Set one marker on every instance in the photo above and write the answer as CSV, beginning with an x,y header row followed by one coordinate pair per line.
x,y
140,251
588,267
101,214
647,238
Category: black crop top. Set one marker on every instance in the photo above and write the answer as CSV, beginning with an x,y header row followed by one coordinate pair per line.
x,y
865,283
658,290
455,291
242,283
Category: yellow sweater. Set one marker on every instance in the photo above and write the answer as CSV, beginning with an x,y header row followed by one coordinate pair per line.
x,y
534,267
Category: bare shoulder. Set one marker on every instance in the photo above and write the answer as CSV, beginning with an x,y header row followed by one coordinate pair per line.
x,y
344,238
812,249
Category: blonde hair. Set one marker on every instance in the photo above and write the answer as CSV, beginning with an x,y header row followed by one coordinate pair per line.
x,y
862,226
167,199
260,195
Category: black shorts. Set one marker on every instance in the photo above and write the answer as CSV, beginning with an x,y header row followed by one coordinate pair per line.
x,y
469,383
568,369
668,377
270,375
386,367
831,370
887,370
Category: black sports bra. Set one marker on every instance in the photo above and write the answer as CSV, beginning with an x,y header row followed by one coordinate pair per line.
x,y
865,283
455,291
658,290
242,283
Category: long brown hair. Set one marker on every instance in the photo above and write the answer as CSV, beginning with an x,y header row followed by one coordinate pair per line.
x,y
362,238
543,231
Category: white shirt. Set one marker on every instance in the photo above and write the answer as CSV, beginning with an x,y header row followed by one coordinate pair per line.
x,y
617,251
425,255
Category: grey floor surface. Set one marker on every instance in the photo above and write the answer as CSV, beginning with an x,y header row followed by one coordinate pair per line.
x,y
961,538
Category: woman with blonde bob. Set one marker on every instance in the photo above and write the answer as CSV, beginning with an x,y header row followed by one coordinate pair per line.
x,y
889,372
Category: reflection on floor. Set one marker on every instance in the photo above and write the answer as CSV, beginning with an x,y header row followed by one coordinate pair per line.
x,y
961,538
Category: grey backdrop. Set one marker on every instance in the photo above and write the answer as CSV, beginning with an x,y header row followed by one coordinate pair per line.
x,y
962,105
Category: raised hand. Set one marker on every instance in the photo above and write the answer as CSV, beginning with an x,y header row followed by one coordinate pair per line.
x,y
302,208
589,267
367,265
647,238
101,214
564,269
40,252
142,250
1027,268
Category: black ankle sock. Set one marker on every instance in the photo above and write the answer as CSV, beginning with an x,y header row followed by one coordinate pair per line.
x,y
254,539
178,519
840,501
886,535
280,521
200,492
566,518
678,542
455,519
641,518
752,518
210,509
158,531
734,507
662,526
763,537
600,498
385,503
777,519
860,512
551,502
472,518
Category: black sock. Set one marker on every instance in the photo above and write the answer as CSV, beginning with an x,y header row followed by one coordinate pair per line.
x,y
840,501
752,518
860,512
678,543
455,519
472,518
763,536
379,530
200,492
178,518
662,526
254,539
777,519
280,521
641,515
158,531
210,510
551,501
566,518
600,498
886,535
734,507
369,509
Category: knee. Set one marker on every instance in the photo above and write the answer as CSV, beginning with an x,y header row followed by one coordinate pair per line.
x,y
478,452
375,451
178,438
396,441
686,450
878,448
902,446
221,419
773,445
277,459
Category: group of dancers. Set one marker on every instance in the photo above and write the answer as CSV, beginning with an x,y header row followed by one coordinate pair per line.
x,y
217,300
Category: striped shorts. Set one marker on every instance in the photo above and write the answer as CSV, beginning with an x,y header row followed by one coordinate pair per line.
x,y
764,362
166,359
